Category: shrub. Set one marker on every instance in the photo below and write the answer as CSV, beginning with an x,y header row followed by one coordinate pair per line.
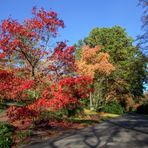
x,y
5,135
17,113
32,94
50,115
113,107
22,135
143,109
60,114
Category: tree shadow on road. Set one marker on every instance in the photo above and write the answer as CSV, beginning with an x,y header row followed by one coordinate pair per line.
x,y
127,131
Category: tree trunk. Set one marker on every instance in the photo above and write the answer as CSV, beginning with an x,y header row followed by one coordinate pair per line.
x,y
91,102
33,73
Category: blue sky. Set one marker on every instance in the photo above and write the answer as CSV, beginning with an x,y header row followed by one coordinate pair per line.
x,y
80,16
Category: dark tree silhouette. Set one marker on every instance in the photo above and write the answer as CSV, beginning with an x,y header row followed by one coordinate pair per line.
x,y
143,38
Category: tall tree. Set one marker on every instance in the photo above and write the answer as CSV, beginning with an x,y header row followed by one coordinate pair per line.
x,y
125,57
25,53
95,63
27,44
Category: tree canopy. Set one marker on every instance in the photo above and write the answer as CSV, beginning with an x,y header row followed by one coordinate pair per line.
x,y
130,63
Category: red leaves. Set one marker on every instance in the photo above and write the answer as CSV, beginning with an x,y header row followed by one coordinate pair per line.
x,y
18,113
67,92
64,52
60,101
45,19
28,41
26,85
12,87
27,45
63,94
62,61
78,87
2,55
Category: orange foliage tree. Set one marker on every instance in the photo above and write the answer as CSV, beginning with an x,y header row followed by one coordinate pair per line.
x,y
95,63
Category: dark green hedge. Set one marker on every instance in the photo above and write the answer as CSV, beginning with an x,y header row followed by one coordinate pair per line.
x,y
5,135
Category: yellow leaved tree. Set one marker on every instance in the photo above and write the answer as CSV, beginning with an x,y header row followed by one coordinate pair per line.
x,y
95,63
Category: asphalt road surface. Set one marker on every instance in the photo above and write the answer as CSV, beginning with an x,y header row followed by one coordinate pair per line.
x,y
127,131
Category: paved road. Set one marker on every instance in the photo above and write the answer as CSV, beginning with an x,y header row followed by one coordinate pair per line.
x,y
127,131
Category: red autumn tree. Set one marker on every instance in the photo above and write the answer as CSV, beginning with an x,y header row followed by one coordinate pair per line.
x,y
67,92
64,94
24,48
61,63
27,43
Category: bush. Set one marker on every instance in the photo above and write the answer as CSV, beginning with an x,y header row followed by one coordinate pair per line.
x,y
22,135
60,114
50,115
5,135
113,107
32,94
143,109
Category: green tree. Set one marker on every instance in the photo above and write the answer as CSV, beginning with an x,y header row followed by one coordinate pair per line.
x,y
130,73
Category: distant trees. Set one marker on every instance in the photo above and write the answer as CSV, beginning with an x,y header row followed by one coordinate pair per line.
x,y
126,81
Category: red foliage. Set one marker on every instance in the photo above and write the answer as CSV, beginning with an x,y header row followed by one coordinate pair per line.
x,y
19,113
28,41
67,92
26,44
78,87
64,94
13,32
13,87
62,61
